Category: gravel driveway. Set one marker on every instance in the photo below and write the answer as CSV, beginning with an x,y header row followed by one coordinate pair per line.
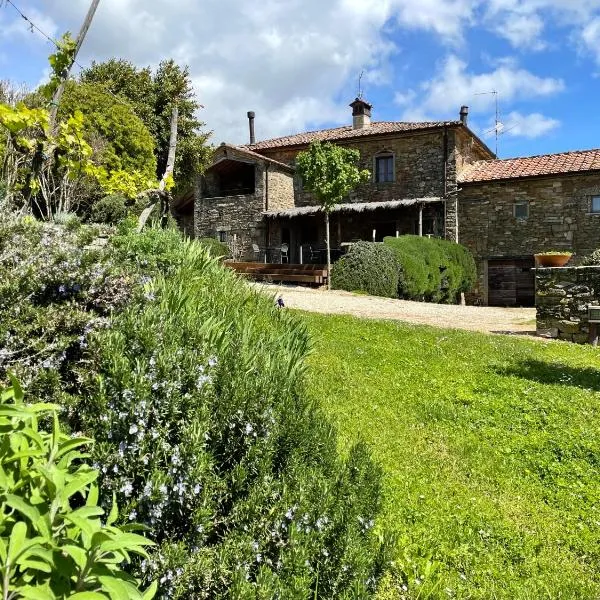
x,y
517,321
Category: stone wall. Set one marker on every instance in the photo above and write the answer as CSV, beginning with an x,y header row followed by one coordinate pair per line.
x,y
562,299
419,167
280,189
559,219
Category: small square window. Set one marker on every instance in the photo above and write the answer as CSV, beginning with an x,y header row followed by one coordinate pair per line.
x,y
595,205
521,210
384,169
222,237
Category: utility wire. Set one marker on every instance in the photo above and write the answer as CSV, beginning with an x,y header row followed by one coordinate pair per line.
x,y
33,26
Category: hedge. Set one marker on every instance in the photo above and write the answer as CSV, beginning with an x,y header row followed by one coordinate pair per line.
x,y
192,385
367,267
432,269
215,247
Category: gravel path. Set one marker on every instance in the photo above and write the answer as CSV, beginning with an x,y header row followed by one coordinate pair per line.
x,y
516,321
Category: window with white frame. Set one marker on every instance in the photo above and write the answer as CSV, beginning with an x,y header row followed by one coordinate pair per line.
x,y
521,210
595,205
384,168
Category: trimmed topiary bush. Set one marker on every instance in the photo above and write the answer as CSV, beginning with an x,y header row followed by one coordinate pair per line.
x,y
192,385
431,269
367,267
110,210
215,248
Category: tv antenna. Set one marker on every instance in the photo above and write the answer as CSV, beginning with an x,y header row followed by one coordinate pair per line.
x,y
498,126
360,92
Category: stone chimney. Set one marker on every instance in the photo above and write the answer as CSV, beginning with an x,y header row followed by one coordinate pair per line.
x,y
361,114
464,114
251,125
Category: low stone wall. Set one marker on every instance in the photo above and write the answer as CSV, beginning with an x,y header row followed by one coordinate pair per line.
x,y
562,297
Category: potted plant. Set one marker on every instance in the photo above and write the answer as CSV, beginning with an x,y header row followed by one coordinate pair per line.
x,y
553,258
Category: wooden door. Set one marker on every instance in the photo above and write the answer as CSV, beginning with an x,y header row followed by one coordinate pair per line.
x,y
511,282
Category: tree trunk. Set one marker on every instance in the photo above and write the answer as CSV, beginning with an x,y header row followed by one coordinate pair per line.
x,y
327,243
172,148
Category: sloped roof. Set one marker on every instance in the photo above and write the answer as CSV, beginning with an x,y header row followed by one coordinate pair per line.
x,y
347,132
348,207
532,166
243,150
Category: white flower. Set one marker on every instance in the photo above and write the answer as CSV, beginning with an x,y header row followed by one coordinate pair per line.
x,y
133,429
127,489
133,515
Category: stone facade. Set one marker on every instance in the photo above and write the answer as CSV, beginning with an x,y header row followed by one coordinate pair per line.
x,y
237,219
562,299
558,219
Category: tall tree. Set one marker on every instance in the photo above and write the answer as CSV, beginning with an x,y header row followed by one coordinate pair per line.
x,y
330,172
153,97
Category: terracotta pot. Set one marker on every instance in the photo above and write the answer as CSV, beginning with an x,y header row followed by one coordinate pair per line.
x,y
552,260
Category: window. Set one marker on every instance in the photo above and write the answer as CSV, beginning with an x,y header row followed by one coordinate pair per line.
x,y
521,210
595,205
223,237
384,168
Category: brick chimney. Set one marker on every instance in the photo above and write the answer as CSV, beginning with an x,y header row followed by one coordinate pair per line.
x,y
361,114
464,114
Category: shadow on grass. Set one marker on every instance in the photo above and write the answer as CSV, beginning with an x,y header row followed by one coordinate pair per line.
x,y
555,374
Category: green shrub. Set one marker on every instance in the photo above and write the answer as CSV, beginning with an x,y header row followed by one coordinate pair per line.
x,y
53,543
592,260
214,247
367,267
110,210
192,385
433,270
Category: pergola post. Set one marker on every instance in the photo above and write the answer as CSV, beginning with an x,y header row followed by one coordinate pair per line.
x,y
420,220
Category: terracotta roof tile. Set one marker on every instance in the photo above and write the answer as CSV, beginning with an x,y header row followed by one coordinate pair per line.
x,y
532,166
342,133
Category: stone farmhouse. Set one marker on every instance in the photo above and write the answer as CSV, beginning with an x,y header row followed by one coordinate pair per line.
x,y
430,178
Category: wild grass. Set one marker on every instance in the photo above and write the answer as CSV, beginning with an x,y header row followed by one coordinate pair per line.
x,y
491,450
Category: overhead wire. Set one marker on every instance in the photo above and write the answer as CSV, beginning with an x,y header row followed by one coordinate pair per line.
x,y
33,26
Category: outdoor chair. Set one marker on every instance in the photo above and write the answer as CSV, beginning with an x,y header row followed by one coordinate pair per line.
x,y
256,251
315,255
284,253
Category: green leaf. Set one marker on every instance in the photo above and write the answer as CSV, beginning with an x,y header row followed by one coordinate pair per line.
x,y
87,596
114,511
80,482
151,591
26,509
3,554
17,389
78,554
117,589
92,498
36,593
71,444
17,541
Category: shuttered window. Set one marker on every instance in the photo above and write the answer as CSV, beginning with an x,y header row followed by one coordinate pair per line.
x,y
384,169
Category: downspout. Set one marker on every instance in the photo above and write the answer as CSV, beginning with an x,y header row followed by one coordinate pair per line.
x,y
267,203
445,184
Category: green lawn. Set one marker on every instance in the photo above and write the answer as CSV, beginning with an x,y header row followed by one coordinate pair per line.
x,y
491,449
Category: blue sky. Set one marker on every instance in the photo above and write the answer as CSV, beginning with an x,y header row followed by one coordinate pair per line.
x,y
296,63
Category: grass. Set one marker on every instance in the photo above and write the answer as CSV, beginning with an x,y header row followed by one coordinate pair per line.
x,y
491,448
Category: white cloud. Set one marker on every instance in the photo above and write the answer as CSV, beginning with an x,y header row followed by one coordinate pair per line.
x,y
16,27
286,60
523,22
455,86
530,126
590,37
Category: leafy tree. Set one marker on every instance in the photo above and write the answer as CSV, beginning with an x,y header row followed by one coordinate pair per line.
x,y
120,139
152,97
330,172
